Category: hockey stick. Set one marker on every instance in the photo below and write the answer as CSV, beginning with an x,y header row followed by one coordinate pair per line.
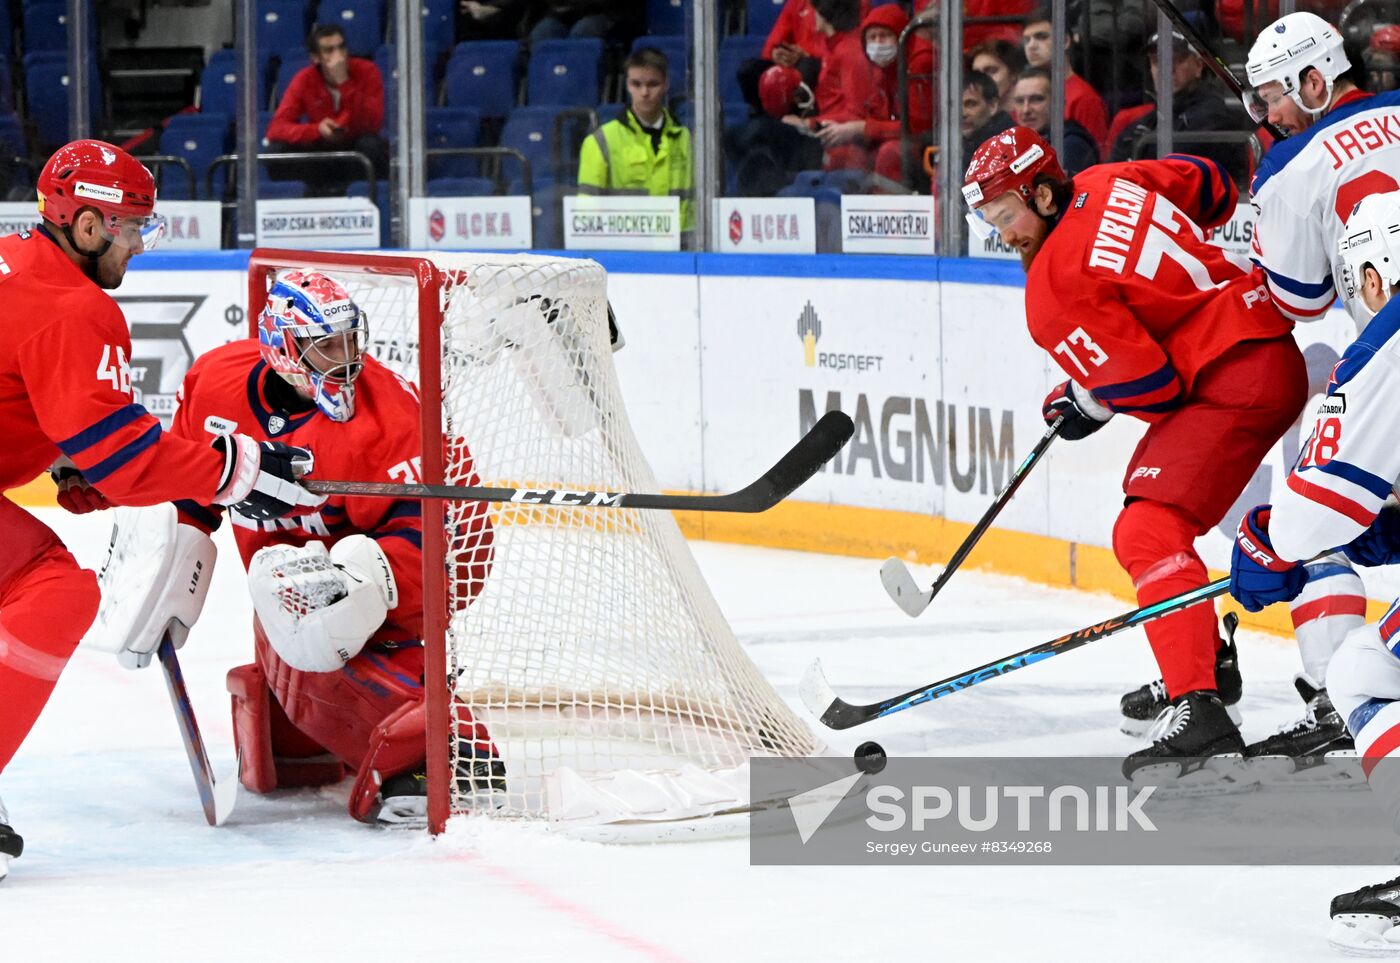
x,y
899,581
826,438
1212,59
836,713
218,798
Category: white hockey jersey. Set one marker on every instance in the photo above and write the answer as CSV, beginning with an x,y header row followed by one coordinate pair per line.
x,y
1305,189
1351,461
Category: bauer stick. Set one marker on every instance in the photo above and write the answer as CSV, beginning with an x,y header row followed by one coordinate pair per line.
x,y
218,798
899,581
826,438
1212,59
836,713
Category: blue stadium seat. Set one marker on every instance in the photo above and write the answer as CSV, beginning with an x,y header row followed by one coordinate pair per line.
x,y
381,201
762,14
565,73
439,27
461,187
218,85
733,51
530,130
12,139
46,100
452,127
846,181
361,20
198,138
385,58
270,190
608,112
677,51
285,72
481,74
45,26
666,16
280,25
7,87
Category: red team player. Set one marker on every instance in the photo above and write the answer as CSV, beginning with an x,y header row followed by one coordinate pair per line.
x,y
66,401
338,677
1148,319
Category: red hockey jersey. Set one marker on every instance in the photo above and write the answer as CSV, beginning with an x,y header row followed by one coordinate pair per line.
x,y
226,390
1127,295
65,387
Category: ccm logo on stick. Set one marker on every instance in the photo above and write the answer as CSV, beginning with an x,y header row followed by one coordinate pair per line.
x,y
562,496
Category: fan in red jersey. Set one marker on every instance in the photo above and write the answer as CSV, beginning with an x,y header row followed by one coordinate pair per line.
x,y
1148,319
337,681
71,409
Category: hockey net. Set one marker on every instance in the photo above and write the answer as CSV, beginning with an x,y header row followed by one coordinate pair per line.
x,y
591,650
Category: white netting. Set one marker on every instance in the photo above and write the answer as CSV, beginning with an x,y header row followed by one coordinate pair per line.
x,y
592,651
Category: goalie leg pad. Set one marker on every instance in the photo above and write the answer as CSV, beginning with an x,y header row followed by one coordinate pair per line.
x,y
274,754
397,745
46,604
340,710
1153,542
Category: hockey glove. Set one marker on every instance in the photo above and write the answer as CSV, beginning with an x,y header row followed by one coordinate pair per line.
x,y
1258,577
1083,414
260,478
74,493
1379,544
319,608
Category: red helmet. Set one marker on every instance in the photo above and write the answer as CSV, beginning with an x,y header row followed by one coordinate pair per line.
x,y
91,173
1008,161
782,92
1386,37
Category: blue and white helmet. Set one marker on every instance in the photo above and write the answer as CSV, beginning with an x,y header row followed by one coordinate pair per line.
x,y
313,335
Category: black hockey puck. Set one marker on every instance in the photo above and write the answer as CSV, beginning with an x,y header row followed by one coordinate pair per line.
x,y
870,757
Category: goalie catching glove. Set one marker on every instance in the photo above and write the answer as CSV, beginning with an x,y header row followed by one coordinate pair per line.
x,y
319,608
260,478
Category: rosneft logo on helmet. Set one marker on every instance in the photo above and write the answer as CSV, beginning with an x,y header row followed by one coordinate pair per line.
x,y
96,192
1035,153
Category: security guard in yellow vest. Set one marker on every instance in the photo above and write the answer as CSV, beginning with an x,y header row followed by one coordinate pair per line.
x,y
644,151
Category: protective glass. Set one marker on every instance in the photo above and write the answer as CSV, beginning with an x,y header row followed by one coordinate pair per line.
x,y
981,227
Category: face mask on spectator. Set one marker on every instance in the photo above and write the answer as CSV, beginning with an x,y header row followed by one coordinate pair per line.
x,y
881,54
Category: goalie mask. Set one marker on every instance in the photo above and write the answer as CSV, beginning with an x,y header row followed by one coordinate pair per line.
x,y
1372,237
313,335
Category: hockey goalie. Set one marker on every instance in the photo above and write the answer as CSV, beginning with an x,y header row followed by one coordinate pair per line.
x,y
336,684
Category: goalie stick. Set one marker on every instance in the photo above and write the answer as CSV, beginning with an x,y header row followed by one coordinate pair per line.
x,y
836,713
1213,60
826,438
899,581
217,798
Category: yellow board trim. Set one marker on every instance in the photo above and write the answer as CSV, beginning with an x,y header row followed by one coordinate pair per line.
x,y
36,494
880,533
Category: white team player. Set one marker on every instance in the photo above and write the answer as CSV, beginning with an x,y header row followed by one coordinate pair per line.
x,y
1335,496
1343,145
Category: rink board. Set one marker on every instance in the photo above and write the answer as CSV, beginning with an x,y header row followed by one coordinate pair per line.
x,y
729,358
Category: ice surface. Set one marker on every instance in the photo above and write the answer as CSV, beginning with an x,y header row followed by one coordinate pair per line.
x,y
120,865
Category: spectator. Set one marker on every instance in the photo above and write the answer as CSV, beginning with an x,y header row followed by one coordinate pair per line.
x,y
336,103
1082,103
1382,57
982,116
644,151
977,34
1196,108
1030,98
587,18
496,20
876,127
845,79
1000,60
772,146
794,41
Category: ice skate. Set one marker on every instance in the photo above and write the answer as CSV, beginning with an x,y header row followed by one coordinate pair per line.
x,y
1364,921
1315,753
1144,706
481,781
1200,751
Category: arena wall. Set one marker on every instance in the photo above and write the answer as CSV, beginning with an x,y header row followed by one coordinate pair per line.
x,y
729,358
